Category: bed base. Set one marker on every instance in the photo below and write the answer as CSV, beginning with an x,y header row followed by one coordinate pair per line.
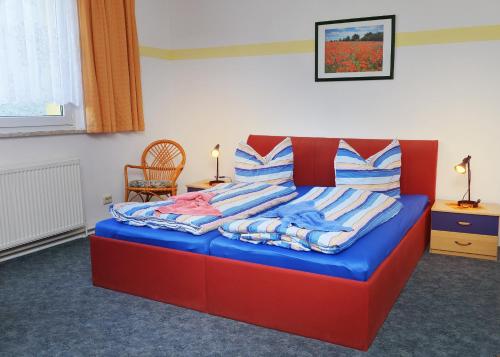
x,y
336,310
156,273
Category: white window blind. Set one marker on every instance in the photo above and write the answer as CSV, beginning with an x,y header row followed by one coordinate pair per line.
x,y
40,72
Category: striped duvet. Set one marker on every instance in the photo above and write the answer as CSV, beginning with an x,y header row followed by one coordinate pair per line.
x,y
234,200
358,209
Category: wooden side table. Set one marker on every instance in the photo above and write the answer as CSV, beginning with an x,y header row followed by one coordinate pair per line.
x,y
200,185
466,232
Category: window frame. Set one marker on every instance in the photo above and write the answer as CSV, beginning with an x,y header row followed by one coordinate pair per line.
x,y
72,119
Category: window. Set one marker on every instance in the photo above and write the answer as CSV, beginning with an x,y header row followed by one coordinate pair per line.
x,y
40,72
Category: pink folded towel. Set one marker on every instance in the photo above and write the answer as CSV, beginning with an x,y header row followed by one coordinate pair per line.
x,y
192,203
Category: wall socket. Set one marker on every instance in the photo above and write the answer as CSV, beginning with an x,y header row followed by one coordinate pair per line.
x,y
107,199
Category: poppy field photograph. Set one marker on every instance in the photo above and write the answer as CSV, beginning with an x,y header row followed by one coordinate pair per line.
x,y
355,49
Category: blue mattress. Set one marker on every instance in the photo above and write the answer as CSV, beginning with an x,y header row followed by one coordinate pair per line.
x,y
358,262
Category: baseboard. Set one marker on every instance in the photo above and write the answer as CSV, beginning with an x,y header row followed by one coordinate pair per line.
x,y
44,243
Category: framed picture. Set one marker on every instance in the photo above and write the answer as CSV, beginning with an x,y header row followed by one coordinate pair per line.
x,y
355,49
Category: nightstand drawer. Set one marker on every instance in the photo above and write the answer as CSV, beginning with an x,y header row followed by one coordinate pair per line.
x,y
194,189
464,243
465,223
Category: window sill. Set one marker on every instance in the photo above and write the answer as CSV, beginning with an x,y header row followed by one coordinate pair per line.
x,y
22,134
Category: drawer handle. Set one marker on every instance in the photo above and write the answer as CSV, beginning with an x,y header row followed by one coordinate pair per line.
x,y
463,244
464,223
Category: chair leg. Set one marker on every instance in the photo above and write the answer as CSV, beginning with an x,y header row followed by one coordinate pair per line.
x,y
136,194
140,195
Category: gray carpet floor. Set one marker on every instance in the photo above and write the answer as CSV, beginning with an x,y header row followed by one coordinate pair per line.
x,y
48,307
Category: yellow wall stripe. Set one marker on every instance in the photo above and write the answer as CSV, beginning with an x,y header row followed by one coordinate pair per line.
x,y
453,35
154,52
257,49
443,36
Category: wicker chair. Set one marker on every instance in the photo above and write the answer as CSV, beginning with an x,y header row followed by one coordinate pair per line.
x,y
161,164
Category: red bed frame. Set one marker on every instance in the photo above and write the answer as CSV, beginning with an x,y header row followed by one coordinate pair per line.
x,y
282,299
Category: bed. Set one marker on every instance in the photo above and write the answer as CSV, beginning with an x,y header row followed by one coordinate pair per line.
x,y
320,299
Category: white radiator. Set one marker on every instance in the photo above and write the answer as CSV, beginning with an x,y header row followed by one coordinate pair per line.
x,y
39,201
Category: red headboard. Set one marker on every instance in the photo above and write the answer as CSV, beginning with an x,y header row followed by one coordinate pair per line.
x,y
314,157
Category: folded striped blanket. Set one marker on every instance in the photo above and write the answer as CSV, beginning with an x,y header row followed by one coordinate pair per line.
x,y
357,209
234,200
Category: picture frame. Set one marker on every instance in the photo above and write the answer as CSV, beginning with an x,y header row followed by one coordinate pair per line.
x,y
355,49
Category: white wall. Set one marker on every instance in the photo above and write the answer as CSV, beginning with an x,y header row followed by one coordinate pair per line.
x,y
201,23
445,92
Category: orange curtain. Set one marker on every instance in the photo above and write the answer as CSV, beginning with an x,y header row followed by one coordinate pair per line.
x,y
110,66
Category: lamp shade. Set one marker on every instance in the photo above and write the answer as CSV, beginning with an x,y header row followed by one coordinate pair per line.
x,y
215,151
462,167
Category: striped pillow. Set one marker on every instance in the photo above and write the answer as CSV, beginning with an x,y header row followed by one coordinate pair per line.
x,y
276,168
379,173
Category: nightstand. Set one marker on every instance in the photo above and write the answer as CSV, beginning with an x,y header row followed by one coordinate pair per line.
x,y
199,185
466,232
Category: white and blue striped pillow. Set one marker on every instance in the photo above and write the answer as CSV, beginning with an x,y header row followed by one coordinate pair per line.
x,y
381,172
276,168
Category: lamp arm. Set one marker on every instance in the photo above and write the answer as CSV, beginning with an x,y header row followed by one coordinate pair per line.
x,y
217,173
468,179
